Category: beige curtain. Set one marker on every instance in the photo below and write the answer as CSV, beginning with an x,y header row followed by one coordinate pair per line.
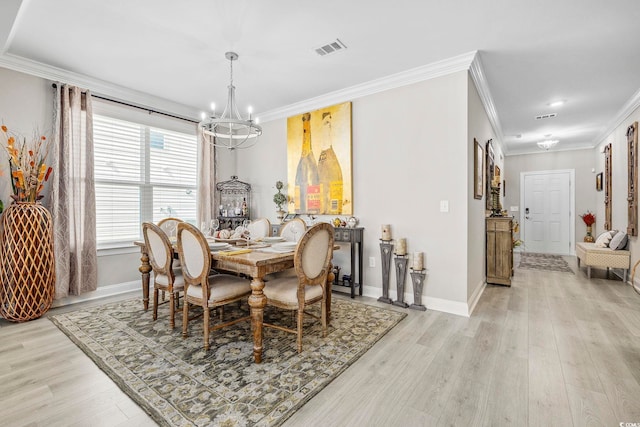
x,y
73,205
206,178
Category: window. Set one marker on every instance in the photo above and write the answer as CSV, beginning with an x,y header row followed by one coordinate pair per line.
x,y
142,173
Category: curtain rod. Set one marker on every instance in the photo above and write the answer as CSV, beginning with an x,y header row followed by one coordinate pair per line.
x,y
149,110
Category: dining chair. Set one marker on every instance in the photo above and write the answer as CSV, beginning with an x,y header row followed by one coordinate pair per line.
x,y
293,230
312,260
165,276
169,225
201,289
259,228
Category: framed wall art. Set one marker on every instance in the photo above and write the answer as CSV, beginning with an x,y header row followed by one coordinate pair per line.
x,y
599,182
319,164
478,170
489,171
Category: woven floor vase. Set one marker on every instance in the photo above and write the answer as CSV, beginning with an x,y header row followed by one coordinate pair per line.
x,y
27,268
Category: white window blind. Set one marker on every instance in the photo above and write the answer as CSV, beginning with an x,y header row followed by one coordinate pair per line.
x,y
142,173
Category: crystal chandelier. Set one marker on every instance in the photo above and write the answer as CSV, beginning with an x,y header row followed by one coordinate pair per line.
x,y
230,130
545,145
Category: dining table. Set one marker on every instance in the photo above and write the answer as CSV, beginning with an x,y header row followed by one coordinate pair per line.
x,y
255,264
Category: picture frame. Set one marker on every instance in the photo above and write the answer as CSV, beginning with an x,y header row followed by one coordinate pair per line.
x,y
328,159
599,181
489,166
478,170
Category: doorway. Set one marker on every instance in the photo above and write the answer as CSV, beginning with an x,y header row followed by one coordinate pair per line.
x,y
547,214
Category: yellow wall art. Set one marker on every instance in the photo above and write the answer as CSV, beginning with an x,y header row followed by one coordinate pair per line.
x,y
319,161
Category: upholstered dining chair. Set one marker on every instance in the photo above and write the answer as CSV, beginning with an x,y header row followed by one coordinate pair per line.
x,y
312,260
293,230
259,228
200,288
165,276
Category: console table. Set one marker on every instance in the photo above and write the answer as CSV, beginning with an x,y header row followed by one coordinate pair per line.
x,y
354,236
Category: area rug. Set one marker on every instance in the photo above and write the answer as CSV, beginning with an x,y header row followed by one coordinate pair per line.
x,y
179,384
533,261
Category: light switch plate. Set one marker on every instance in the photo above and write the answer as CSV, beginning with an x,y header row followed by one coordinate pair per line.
x,y
514,208
444,206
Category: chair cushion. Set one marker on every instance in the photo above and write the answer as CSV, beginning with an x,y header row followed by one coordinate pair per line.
x,y
285,290
619,241
222,287
163,280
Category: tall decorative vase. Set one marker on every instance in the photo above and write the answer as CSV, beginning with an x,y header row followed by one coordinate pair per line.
x,y
589,236
27,266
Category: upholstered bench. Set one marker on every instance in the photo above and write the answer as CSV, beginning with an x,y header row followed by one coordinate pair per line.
x,y
593,256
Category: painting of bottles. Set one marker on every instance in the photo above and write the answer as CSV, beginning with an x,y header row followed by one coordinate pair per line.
x,y
319,161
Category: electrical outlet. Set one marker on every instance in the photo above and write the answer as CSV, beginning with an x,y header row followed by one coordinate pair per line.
x,y
372,261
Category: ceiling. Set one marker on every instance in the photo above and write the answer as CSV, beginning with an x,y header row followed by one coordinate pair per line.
x,y
584,52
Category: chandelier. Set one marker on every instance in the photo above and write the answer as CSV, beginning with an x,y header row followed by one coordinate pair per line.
x,y
545,145
230,130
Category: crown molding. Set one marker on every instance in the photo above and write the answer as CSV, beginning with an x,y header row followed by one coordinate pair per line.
x,y
627,109
97,86
479,79
414,75
541,151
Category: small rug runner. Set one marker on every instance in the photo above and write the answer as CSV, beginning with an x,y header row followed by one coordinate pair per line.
x,y
533,261
179,384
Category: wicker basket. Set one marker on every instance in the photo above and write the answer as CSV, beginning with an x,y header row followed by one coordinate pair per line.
x,y
27,267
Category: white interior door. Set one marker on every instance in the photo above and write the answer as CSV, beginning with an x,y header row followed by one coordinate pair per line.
x,y
546,212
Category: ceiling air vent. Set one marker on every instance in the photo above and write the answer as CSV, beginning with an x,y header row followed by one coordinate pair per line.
x,y
546,116
333,47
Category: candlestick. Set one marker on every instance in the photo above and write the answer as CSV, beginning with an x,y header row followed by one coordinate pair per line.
x,y
418,261
386,232
401,247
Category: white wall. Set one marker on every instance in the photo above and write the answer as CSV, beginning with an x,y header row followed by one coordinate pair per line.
x,y
480,129
619,219
26,106
410,152
582,161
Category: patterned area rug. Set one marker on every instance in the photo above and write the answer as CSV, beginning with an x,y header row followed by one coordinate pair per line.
x,y
547,262
179,384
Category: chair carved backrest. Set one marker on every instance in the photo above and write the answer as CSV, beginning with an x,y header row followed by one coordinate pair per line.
x,y
160,249
259,228
169,225
195,257
293,230
313,255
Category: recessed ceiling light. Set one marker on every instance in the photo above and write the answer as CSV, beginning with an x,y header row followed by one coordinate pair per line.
x,y
545,145
556,103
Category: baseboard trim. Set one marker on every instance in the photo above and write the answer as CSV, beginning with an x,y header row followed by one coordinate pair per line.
x,y
473,301
101,292
432,303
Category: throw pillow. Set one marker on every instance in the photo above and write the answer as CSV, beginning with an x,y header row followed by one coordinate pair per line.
x,y
619,241
603,240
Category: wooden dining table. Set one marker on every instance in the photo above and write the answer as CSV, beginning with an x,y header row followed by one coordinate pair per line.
x,y
256,265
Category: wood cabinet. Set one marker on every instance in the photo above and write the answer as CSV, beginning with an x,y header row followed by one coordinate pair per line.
x,y
499,250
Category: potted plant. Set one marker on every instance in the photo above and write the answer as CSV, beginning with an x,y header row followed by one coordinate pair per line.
x,y
279,199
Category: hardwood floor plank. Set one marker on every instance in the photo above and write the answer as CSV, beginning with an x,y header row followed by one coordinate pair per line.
x,y
554,349
589,408
548,404
507,403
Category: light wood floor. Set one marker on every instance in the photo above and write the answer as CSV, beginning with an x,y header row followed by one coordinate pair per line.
x,y
555,349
